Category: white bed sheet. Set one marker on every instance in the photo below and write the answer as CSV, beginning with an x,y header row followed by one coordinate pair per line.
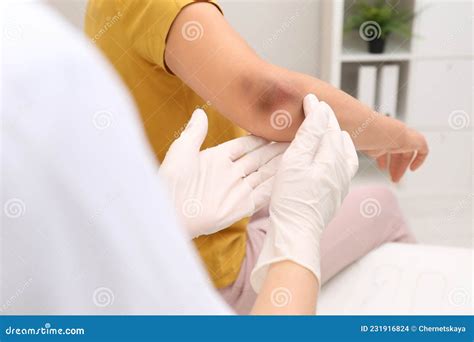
x,y
403,279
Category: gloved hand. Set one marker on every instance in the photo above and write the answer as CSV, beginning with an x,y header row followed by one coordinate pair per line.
x,y
214,188
310,185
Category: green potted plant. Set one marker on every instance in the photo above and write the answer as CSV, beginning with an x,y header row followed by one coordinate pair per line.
x,y
376,20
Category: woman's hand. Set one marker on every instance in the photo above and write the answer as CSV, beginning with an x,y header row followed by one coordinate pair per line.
x,y
411,151
309,187
214,188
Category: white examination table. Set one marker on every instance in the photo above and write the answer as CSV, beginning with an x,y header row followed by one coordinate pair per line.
x,y
403,279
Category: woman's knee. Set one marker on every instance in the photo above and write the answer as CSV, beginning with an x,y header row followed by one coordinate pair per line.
x,y
379,206
374,201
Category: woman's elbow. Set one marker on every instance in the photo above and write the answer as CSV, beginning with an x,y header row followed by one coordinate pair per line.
x,y
277,111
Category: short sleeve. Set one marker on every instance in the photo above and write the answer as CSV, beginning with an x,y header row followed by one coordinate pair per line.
x,y
147,23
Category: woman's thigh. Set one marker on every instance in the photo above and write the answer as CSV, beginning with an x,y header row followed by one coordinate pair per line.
x,y
369,217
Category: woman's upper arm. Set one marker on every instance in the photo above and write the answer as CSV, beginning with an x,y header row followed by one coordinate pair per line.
x,y
205,52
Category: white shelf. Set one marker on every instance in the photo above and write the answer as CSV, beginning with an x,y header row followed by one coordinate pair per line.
x,y
372,57
355,50
361,57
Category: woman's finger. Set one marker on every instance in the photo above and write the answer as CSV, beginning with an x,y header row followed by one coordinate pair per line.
x,y
421,155
382,161
419,160
374,154
399,163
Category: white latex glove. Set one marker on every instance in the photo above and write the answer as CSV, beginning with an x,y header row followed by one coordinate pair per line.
x,y
312,180
214,188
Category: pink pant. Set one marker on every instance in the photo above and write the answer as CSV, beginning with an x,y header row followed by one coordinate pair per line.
x,y
369,217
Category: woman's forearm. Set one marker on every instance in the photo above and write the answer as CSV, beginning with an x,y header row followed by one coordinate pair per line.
x,y
369,130
289,289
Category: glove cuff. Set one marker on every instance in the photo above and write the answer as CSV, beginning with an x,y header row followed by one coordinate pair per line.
x,y
287,245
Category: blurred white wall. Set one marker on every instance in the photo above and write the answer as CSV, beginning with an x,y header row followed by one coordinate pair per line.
x,y
73,10
284,32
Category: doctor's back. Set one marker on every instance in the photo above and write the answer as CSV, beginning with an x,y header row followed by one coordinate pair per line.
x,y
85,226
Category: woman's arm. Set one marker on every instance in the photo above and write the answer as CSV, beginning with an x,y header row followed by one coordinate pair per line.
x,y
265,99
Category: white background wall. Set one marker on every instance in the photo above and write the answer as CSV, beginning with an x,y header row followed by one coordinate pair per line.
x,y
284,32
440,194
438,198
73,10
267,25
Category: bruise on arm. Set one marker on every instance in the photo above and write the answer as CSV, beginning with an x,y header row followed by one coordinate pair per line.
x,y
277,107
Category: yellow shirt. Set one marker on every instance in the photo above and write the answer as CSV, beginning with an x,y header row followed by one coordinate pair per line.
x,y
132,34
